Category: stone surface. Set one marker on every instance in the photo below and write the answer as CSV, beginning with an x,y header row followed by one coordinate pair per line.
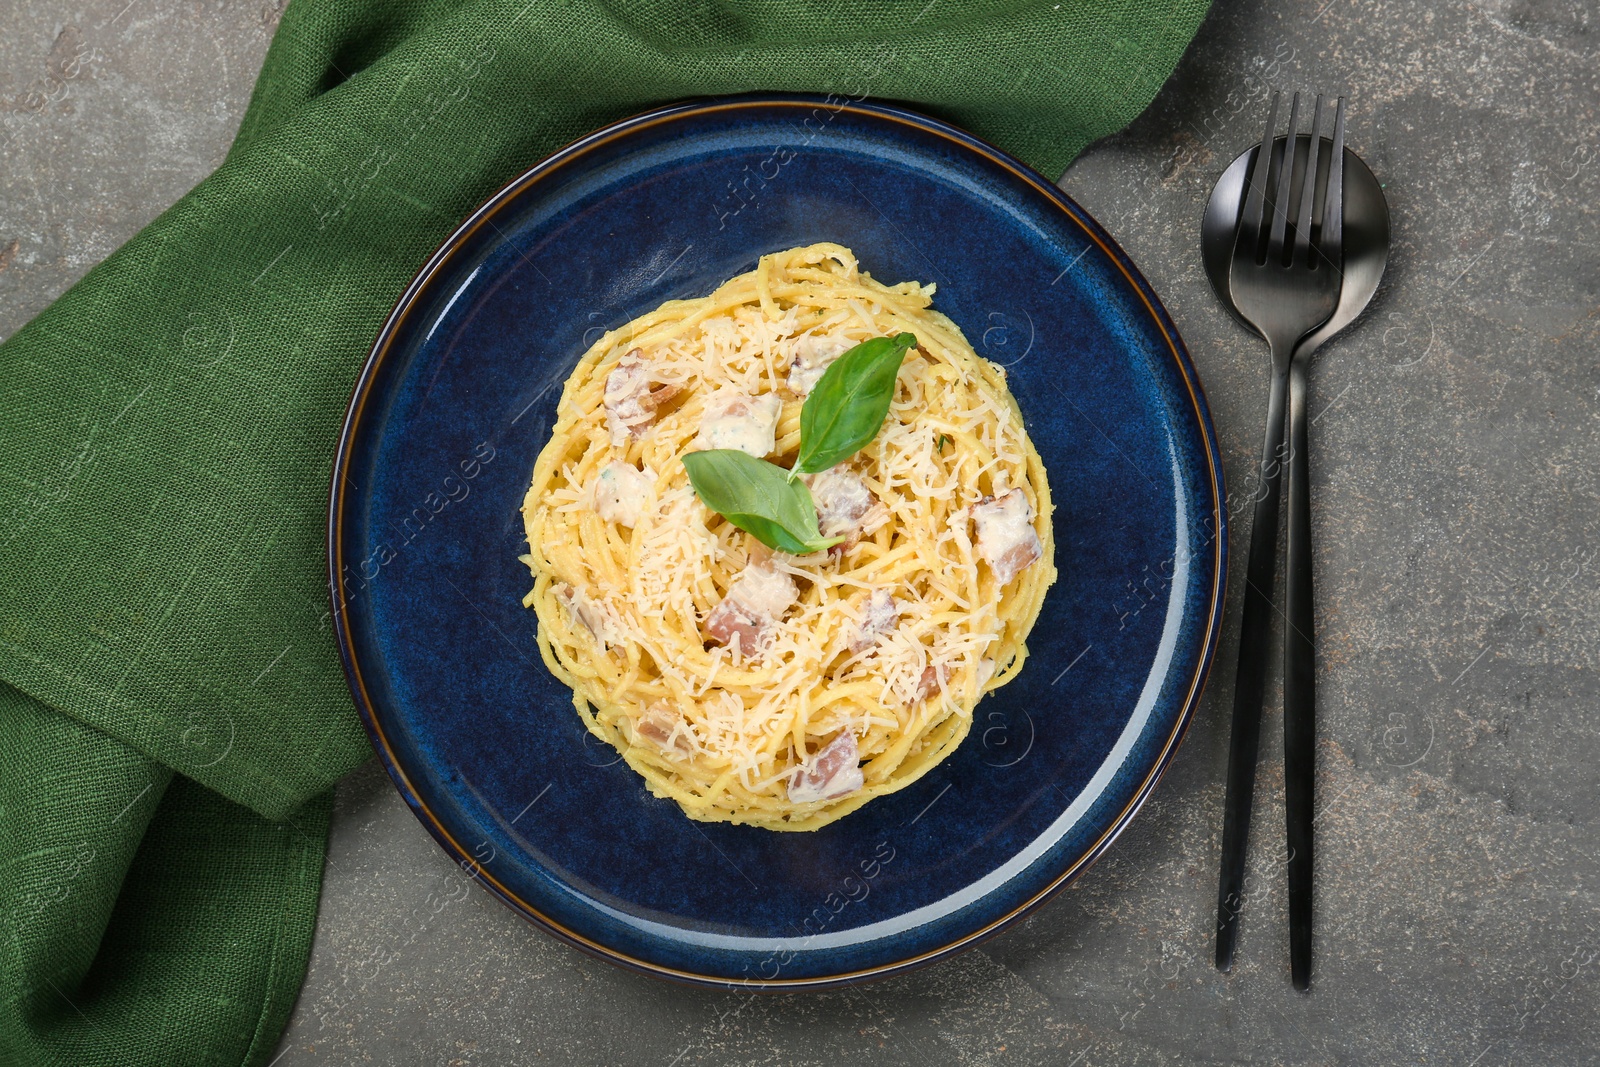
x,y
1456,462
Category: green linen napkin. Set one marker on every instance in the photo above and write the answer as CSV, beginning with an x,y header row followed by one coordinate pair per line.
x,y
172,712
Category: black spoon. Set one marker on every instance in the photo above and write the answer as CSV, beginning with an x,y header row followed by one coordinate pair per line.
x,y
1366,253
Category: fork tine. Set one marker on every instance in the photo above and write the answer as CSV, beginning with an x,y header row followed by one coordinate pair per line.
x,y
1280,202
1249,235
1331,243
1308,192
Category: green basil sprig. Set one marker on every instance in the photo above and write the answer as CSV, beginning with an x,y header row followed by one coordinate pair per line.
x,y
843,413
847,407
758,497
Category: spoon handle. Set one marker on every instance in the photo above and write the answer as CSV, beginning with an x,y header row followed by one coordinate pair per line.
x,y
1254,638
1299,685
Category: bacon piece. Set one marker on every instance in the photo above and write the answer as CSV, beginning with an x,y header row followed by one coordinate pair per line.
x,y
621,492
933,678
585,612
754,604
930,682
845,506
879,615
633,397
666,727
731,623
1007,540
812,354
832,773
741,421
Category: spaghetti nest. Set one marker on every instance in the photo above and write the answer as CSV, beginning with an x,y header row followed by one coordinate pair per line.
x,y
729,731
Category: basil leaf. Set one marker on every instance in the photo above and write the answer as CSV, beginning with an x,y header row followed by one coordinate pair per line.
x,y
758,497
847,407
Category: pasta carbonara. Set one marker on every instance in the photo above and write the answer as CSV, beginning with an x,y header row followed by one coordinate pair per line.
x,y
756,687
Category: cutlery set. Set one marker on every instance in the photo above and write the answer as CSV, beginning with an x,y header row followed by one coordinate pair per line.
x,y
1294,240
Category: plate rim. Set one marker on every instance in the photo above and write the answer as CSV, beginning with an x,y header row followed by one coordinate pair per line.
x,y
361,392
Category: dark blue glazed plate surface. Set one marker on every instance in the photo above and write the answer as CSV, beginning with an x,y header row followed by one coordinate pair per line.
x,y
458,398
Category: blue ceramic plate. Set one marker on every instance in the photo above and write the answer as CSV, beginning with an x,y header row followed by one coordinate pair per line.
x,y
459,396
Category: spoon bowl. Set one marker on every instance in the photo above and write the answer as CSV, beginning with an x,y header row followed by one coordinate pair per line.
x,y
1366,235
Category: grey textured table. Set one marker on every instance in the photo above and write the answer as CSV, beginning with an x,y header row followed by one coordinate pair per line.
x,y
1455,464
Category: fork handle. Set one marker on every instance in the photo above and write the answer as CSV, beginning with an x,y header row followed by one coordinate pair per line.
x,y
1299,685
1255,635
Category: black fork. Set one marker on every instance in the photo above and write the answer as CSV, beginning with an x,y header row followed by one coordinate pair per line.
x,y
1286,289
